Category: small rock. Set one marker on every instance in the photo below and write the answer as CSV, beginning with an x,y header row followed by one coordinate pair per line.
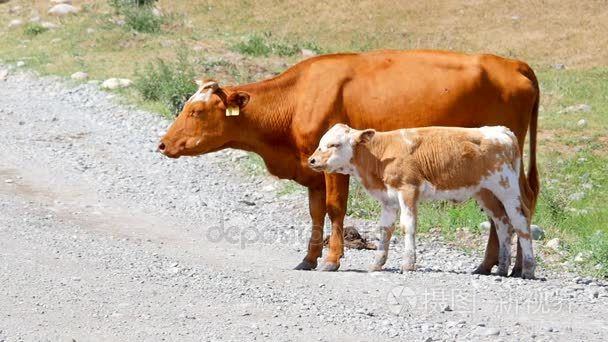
x,y
15,23
3,74
584,108
582,257
515,17
58,2
554,244
20,64
582,123
80,76
485,226
115,83
559,66
537,232
90,30
49,25
61,10
157,12
577,196
487,331
9,181
308,53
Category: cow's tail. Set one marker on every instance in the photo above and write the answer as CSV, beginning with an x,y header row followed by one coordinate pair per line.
x,y
533,180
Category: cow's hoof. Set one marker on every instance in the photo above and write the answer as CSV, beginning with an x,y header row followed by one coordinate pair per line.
x,y
516,273
527,275
408,268
305,265
329,267
481,270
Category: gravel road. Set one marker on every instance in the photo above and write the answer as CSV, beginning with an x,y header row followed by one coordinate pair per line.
x,y
102,238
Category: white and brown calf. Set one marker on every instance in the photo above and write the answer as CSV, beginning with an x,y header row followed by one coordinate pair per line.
x,y
400,168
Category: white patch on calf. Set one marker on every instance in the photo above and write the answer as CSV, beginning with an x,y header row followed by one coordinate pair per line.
x,y
498,134
405,138
428,191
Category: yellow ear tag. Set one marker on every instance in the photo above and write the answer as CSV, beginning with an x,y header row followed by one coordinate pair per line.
x,y
232,111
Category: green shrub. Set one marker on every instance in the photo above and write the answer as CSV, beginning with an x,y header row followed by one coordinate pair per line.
x,y
170,83
263,45
142,20
34,29
138,15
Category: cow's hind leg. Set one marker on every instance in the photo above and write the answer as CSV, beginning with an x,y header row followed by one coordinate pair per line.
x,y
494,208
491,256
386,229
316,206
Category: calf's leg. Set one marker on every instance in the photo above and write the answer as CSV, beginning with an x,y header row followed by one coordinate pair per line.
x,y
520,219
336,201
500,225
386,229
317,209
408,205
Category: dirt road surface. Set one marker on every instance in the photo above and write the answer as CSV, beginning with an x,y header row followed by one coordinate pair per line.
x,y
102,238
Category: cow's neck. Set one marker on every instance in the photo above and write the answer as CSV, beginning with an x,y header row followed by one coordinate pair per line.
x,y
368,164
266,125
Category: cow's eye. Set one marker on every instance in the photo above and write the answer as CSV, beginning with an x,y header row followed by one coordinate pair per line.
x,y
336,145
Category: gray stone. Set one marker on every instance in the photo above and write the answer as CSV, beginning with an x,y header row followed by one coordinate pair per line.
x,y
554,244
577,196
79,76
49,25
116,83
307,53
3,74
582,123
537,232
579,108
15,23
485,226
482,331
61,10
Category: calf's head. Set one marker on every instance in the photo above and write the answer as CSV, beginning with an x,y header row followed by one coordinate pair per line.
x,y
336,149
208,121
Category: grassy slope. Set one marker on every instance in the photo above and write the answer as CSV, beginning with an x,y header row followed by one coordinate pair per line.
x,y
542,33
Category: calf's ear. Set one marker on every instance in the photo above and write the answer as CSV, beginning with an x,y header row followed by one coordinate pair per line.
x,y
365,136
237,99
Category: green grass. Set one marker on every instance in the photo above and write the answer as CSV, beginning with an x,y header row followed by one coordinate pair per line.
x,y
264,45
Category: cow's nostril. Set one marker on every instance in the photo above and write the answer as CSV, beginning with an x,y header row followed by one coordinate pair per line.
x,y
161,147
312,161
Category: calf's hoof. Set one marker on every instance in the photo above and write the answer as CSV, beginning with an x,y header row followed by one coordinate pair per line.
x,y
329,267
375,268
306,265
408,268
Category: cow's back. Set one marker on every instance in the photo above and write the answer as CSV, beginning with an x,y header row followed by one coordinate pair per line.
x,y
388,90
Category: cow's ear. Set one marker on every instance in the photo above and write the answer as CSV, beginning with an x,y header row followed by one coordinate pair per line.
x,y
237,99
365,136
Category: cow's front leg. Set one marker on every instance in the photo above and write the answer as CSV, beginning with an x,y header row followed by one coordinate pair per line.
x,y
317,208
337,198
386,229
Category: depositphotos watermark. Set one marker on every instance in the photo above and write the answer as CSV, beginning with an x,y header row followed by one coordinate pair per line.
x,y
247,234
403,300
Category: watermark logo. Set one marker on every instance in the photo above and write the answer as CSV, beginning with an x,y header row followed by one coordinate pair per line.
x,y
401,300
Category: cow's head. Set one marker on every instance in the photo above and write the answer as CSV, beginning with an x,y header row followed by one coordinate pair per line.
x,y
336,149
207,122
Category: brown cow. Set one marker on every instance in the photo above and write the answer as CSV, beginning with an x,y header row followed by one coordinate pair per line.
x,y
403,167
282,119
